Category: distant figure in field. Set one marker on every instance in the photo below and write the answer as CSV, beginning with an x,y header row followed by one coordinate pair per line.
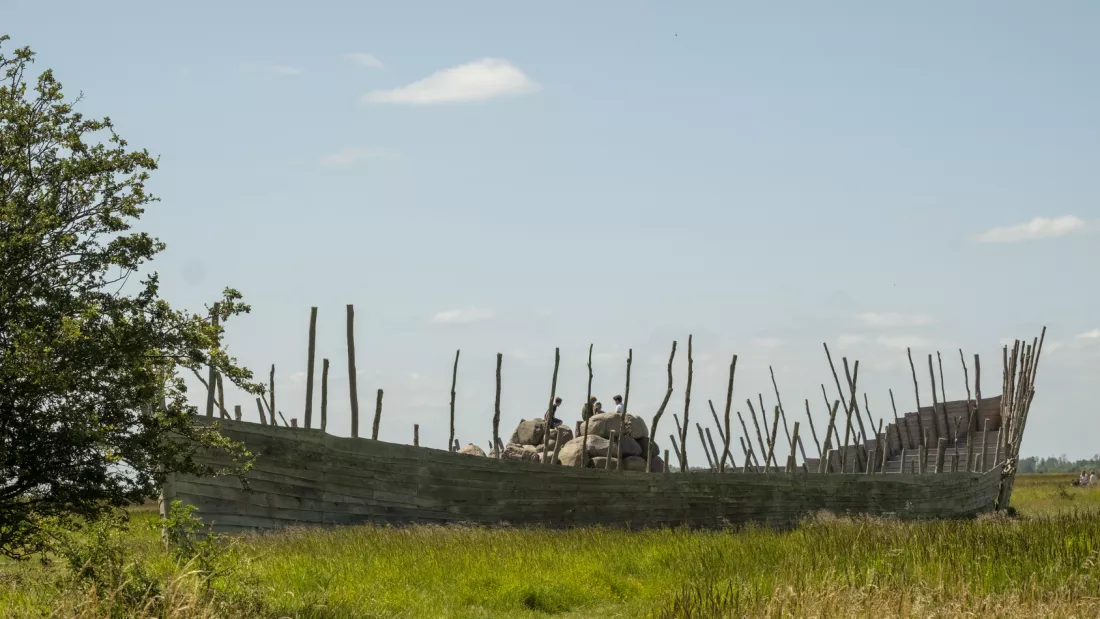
x,y
586,410
1083,479
552,413
1092,478
618,403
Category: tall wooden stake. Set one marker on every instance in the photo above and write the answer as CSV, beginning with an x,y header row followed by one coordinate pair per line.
x,y
971,410
687,407
309,366
416,435
377,416
726,418
771,440
271,406
897,424
221,398
825,464
713,451
588,410
622,415
943,388
916,392
260,407
352,380
794,441
706,452
550,407
661,411
496,404
212,376
324,394
935,403
813,432
744,438
454,382
759,437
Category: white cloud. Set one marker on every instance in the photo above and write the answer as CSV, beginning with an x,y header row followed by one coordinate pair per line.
x,y
1038,228
365,60
894,319
901,342
463,316
273,69
474,81
768,342
352,155
1089,335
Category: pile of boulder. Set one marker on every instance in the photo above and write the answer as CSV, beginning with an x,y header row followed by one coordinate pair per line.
x,y
605,436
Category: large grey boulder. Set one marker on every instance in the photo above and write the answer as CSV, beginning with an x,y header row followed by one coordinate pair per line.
x,y
602,425
570,454
651,445
529,432
472,450
636,427
635,463
630,446
566,436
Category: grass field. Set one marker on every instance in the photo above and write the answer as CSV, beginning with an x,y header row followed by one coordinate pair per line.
x,y
1044,563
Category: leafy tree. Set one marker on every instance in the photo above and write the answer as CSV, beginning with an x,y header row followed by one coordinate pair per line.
x,y
92,405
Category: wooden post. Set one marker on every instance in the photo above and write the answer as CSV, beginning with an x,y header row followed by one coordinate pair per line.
x,y
935,403
622,415
293,422
352,383
941,446
729,404
324,394
212,376
971,410
550,407
714,453
260,408
237,412
870,461
813,432
901,468
675,450
916,392
744,450
794,441
416,435
779,402
885,451
377,416
455,447
923,462
759,437
828,407
309,366
848,407
496,403
771,439
666,461
271,407
897,423
745,436
587,412
661,410
687,407
824,466
943,390
703,440
454,381
723,437
985,446
853,407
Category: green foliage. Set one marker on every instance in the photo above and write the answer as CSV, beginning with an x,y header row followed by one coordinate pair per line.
x,y
1058,464
92,404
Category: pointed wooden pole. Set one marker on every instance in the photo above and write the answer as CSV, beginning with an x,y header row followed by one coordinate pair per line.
x,y
496,404
676,450
745,437
454,382
706,452
759,437
687,408
771,441
352,379
661,411
971,410
916,392
416,435
935,403
311,356
212,375
726,418
587,412
260,408
622,414
550,407
221,398
813,432
237,412
826,462
713,451
324,394
271,405
377,416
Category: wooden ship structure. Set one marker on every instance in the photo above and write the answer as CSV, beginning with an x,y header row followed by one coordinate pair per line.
x,y
948,459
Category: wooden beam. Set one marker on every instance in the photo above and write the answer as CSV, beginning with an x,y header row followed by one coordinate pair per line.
x,y
311,357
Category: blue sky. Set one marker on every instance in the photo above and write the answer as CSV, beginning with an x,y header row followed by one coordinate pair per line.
x,y
503,177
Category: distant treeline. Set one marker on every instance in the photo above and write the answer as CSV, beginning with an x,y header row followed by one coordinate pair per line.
x,y
1058,464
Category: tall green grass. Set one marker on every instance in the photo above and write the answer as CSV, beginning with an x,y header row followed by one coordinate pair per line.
x,y
1045,563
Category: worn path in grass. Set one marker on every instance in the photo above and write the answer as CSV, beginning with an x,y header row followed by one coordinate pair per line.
x,y
1045,563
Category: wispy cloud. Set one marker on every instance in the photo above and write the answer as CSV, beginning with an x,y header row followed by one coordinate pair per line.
x,y
281,70
768,342
1038,228
365,60
1089,335
849,339
474,81
463,316
894,319
351,155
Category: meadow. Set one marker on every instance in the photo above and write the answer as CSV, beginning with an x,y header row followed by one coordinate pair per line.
x,y
1045,561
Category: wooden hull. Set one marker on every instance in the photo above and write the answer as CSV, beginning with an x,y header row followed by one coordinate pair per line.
x,y
306,477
